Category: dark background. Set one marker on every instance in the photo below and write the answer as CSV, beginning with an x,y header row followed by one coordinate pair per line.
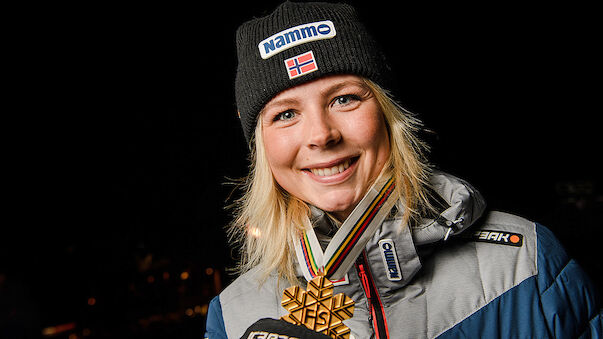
x,y
122,130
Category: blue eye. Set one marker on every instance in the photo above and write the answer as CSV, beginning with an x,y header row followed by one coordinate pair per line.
x,y
346,99
285,116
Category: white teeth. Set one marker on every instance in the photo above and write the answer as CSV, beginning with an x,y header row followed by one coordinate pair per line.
x,y
322,172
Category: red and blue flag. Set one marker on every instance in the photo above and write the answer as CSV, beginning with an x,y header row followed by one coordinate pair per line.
x,y
301,64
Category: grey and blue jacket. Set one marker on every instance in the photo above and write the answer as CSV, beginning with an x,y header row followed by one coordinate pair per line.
x,y
462,273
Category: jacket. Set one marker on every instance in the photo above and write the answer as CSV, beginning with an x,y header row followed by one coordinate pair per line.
x,y
462,273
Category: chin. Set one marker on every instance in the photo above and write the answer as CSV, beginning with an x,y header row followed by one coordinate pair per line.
x,y
335,203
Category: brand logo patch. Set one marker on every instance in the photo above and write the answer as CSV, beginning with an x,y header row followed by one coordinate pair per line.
x,y
390,260
267,335
498,237
300,65
295,36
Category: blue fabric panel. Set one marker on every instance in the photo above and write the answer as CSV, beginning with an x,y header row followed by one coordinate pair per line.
x,y
595,328
551,257
569,298
214,327
515,314
569,303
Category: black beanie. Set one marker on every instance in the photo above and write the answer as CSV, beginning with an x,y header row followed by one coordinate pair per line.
x,y
296,43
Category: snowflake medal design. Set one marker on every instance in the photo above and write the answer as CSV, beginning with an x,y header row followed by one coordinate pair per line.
x,y
318,309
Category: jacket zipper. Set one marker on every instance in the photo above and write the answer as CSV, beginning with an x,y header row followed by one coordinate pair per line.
x,y
370,290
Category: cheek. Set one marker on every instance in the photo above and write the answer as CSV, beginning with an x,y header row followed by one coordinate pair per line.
x,y
280,152
369,132
381,138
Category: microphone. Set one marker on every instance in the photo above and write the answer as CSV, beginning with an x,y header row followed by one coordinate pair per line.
x,y
267,328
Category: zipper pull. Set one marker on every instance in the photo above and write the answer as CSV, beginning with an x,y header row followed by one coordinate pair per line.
x,y
364,280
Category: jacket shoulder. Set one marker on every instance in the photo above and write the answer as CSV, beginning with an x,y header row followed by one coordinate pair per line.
x,y
214,325
551,296
507,221
248,299
506,249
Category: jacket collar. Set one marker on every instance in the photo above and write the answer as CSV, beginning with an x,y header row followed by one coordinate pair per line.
x,y
459,206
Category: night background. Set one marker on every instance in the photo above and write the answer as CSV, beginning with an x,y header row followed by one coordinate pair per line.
x,y
121,134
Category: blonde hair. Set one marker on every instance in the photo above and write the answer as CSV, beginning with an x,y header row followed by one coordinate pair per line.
x,y
267,219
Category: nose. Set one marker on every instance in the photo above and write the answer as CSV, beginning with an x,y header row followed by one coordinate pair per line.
x,y
322,131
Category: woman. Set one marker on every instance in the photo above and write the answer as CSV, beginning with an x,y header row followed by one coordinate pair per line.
x,y
340,189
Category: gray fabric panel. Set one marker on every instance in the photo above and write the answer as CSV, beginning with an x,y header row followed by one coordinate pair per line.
x,y
244,302
517,265
407,257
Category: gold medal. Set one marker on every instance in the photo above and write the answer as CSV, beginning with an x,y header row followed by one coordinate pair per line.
x,y
317,308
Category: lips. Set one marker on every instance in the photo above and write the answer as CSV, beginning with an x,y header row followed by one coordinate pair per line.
x,y
331,168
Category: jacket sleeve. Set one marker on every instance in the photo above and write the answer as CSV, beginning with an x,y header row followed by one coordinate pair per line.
x,y
214,327
569,299
595,328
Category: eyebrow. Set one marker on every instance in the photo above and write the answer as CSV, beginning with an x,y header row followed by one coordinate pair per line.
x,y
324,92
281,102
336,87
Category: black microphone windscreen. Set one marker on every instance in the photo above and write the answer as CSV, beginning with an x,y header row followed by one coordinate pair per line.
x,y
267,328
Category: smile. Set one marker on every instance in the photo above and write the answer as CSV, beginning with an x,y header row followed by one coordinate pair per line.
x,y
332,172
322,172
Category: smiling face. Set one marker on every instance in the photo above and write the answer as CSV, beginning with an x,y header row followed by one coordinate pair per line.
x,y
326,141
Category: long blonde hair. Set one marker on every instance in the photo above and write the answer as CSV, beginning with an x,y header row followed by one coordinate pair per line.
x,y
267,218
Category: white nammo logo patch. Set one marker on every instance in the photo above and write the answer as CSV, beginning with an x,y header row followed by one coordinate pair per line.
x,y
296,36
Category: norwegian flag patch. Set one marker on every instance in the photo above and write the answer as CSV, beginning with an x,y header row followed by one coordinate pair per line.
x,y
301,64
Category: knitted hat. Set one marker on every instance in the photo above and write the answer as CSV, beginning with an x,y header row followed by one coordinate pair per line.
x,y
296,43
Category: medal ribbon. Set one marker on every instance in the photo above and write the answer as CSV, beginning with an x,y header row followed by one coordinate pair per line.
x,y
349,240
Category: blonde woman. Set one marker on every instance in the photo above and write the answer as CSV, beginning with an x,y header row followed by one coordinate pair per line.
x,y
340,192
